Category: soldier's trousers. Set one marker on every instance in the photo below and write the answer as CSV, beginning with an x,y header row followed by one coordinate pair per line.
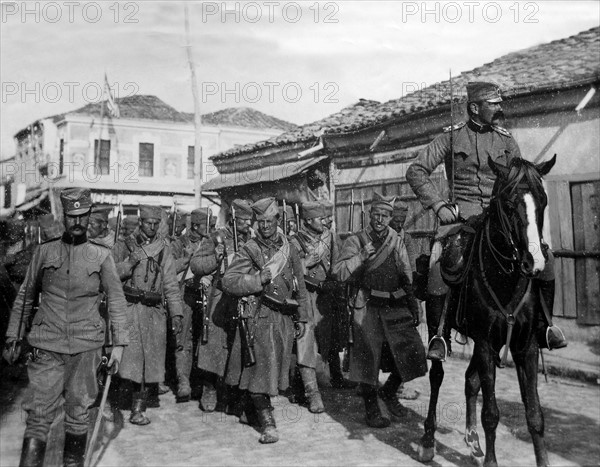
x,y
183,352
58,382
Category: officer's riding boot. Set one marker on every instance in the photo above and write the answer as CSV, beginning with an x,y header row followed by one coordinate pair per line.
x,y
335,373
32,453
437,349
74,452
183,363
550,336
388,395
138,409
374,418
311,389
268,428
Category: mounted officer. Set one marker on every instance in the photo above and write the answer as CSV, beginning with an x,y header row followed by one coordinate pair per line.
x,y
67,332
265,270
464,150
147,268
385,312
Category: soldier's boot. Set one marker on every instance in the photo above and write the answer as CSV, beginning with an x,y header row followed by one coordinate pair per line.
x,y
32,453
235,401
138,409
437,349
249,414
373,418
335,372
208,400
268,428
152,400
183,364
74,452
387,393
550,336
311,389
163,388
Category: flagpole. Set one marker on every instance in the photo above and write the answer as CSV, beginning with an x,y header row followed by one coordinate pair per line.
x,y
197,117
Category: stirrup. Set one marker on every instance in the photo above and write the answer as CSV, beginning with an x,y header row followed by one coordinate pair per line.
x,y
555,338
437,350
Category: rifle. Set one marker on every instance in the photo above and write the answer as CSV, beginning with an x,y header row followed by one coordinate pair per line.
x,y
174,225
297,211
118,225
246,340
351,218
362,212
285,220
350,311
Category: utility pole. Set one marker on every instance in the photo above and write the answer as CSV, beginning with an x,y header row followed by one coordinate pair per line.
x,y
198,172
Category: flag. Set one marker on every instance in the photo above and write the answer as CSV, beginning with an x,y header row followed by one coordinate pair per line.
x,y
113,108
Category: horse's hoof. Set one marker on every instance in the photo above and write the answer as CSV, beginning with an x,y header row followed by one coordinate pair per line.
x,y
426,454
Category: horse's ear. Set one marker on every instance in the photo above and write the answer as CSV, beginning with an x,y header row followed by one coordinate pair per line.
x,y
545,167
499,170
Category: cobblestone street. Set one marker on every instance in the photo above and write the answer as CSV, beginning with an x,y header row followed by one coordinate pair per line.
x,y
181,434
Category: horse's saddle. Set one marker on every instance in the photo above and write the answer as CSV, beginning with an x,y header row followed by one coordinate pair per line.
x,y
455,261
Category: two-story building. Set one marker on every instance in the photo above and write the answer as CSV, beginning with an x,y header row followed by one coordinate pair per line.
x,y
146,156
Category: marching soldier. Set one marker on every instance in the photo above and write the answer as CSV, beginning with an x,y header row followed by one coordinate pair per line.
x,y
67,332
130,224
148,271
211,261
471,182
385,311
98,227
180,224
183,248
265,270
314,246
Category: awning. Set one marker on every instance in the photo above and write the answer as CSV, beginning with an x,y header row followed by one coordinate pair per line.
x,y
270,173
32,200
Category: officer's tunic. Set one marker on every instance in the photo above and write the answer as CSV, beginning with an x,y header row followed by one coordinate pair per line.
x,y
375,322
214,354
144,358
67,332
273,332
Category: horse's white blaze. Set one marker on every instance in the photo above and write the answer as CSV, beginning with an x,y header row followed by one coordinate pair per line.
x,y
533,235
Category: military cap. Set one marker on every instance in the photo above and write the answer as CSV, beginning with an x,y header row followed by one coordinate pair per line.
x,y
478,91
130,221
327,207
181,218
151,212
100,213
400,208
76,201
265,208
199,216
243,209
312,209
382,202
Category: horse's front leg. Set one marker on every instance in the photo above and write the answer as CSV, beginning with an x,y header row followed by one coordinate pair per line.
x,y
472,387
427,446
489,413
527,372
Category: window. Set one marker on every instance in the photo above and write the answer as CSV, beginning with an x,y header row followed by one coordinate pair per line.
x,y
190,162
146,160
61,157
7,194
102,156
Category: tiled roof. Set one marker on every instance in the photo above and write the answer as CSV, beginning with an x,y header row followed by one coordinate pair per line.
x,y
152,108
243,117
563,63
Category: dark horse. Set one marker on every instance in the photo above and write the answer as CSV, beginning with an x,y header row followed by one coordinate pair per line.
x,y
501,305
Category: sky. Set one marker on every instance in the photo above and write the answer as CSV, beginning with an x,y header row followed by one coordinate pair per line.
x,y
298,61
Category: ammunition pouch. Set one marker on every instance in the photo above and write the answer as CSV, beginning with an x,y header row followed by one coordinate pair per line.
x,y
380,298
145,297
285,306
313,284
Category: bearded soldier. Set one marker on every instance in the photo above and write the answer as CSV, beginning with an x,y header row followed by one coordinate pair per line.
x,y
385,311
471,180
211,261
148,271
314,245
98,227
265,270
67,332
183,248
